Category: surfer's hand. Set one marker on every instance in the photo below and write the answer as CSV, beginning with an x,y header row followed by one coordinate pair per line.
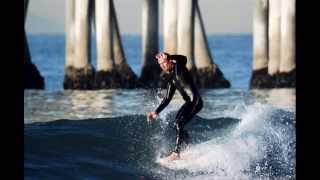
x,y
151,116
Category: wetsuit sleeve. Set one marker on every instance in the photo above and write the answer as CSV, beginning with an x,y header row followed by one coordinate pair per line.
x,y
180,59
170,92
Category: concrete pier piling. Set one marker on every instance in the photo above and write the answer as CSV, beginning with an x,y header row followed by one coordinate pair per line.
x,y
32,77
274,64
112,69
274,34
260,77
209,74
79,73
186,11
170,25
127,77
106,76
287,75
186,40
150,74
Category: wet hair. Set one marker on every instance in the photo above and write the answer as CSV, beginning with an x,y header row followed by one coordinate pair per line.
x,y
167,54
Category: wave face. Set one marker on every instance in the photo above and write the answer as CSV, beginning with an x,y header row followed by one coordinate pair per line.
x,y
260,143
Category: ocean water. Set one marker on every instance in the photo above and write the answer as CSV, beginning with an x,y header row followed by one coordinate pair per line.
x,y
239,133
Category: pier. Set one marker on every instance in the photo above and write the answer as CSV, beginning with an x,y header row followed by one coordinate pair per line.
x,y
184,33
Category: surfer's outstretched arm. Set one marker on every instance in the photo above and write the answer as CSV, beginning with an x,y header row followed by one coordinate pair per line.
x,y
166,100
170,92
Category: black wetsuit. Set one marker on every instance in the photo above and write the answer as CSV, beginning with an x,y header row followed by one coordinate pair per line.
x,y
180,78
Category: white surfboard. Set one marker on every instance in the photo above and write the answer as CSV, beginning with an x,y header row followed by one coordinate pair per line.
x,y
185,156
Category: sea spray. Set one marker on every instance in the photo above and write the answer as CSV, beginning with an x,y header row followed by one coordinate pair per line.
x,y
250,151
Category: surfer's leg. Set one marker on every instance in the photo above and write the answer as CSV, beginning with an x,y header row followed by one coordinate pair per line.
x,y
179,138
181,134
185,107
195,107
185,114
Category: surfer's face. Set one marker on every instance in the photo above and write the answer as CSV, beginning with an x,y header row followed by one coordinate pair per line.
x,y
163,61
165,64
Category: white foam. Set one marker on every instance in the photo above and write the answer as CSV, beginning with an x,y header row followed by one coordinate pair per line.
x,y
233,157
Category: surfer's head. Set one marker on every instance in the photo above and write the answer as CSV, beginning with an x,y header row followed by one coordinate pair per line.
x,y
163,59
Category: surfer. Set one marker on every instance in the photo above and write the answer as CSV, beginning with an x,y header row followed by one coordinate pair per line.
x,y
179,78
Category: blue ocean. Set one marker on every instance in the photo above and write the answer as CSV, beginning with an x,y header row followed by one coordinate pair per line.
x,y
239,133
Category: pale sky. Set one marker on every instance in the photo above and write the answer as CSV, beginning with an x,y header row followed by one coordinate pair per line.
x,y
219,16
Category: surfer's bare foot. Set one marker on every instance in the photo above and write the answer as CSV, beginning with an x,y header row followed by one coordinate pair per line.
x,y
173,156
